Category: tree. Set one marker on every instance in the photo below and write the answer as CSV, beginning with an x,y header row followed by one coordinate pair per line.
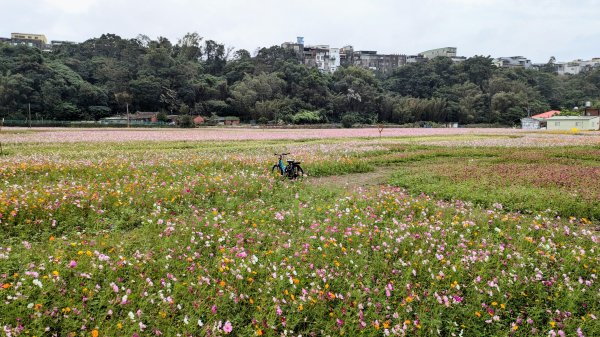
x,y
216,57
479,70
124,98
169,98
189,48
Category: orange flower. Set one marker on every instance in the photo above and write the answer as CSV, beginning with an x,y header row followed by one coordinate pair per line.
x,y
95,333
6,286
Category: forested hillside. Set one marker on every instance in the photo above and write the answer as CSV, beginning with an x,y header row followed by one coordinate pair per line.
x,y
98,77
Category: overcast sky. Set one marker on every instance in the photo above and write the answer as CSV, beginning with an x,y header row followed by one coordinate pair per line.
x,y
536,29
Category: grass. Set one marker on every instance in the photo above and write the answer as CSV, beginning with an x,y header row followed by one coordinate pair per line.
x,y
189,238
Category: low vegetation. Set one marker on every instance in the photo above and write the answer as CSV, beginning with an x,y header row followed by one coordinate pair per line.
x,y
200,239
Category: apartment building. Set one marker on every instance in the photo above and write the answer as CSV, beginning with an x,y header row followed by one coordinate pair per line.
x,y
32,40
443,52
513,62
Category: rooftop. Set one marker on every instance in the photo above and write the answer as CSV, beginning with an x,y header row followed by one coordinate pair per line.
x,y
573,117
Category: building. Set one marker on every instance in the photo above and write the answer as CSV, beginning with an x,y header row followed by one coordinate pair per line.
x,y
444,52
33,40
529,123
589,111
415,58
317,56
538,121
370,59
513,62
328,59
575,67
297,47
547,114
587,123
55,43
199,120
334,59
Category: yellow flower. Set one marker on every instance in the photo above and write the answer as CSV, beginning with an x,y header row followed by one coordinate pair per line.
x,y
552,324
477,313
409,299
55,273
494,304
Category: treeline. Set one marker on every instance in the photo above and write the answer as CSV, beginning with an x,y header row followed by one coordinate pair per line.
x,y
100,76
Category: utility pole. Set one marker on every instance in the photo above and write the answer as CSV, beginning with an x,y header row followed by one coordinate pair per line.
x,y
127,108
29,113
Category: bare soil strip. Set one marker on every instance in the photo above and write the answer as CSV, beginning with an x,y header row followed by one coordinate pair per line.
x,y
355,180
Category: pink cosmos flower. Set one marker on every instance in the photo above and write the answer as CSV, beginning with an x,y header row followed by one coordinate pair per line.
x,y
227,327
72,264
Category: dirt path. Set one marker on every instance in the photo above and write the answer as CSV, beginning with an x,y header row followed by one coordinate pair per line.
x,y
355,180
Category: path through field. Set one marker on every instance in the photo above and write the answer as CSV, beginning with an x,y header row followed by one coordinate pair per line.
x,y
355,180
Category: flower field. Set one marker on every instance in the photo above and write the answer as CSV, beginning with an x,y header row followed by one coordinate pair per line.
x,y
198,238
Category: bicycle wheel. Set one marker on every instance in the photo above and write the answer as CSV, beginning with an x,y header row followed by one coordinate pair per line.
x,y
276,167
299,172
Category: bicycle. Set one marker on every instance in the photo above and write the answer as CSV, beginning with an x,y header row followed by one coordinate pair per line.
x,y
291,171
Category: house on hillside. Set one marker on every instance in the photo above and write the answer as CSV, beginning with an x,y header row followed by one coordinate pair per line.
x,y
586,123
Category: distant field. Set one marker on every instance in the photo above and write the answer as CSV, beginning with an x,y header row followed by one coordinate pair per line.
x,y
155,232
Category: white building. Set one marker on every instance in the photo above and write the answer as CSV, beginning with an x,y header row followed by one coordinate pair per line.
x,y
576,66
513,62
444,52
334,59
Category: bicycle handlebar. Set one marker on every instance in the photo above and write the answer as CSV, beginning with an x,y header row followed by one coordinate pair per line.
x,y
282,154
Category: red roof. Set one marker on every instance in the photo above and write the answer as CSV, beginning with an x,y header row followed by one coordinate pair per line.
x,y
547,114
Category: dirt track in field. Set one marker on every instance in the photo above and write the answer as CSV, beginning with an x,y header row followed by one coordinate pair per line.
x,y
353,181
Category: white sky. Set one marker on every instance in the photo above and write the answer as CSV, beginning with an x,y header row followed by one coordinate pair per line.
x,y
536,29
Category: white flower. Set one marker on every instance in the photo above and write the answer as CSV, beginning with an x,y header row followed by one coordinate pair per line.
x,y
200,324
37,283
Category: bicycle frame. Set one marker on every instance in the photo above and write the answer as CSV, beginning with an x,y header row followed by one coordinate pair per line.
x,y
281,164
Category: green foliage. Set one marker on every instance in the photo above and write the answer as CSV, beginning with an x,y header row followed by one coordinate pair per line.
x,y
307,117
570,113
273,85
349,119
521,181
185,121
